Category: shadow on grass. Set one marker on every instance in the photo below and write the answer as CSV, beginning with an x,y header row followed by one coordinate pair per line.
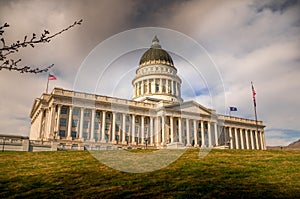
x,y
222,174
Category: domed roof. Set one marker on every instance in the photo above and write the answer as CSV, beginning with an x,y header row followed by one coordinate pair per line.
x,y
156,53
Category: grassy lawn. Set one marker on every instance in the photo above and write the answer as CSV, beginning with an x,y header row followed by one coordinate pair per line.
x,y
221,174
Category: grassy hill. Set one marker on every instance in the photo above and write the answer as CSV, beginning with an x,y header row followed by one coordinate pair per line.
x,y
221,174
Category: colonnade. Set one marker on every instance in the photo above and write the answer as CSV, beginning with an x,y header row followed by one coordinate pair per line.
x,y
157,85
136,129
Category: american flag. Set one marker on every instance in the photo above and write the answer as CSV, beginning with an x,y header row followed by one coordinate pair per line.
x,y
51,77
253,94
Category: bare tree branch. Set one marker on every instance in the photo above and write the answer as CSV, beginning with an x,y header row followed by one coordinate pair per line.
x,y
6,50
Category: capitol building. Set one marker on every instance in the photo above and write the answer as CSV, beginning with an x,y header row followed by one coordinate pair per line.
x,y
156,116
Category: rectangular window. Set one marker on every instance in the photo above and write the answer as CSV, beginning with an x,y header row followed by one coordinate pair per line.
x,y
106,126
98,114
127,128
63,122
85,135
107,116
62,133
127,118
86,113
64,110
118,117
86,124
96,125
73,134
74,123
136,120
76,111
156,87
117,127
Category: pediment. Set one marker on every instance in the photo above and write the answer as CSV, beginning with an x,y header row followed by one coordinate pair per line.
x,y
34,106
191,106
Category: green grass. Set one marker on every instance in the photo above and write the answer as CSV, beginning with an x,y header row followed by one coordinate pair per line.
x,y
221,174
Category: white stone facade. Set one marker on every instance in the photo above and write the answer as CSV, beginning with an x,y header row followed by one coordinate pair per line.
x,y
157,117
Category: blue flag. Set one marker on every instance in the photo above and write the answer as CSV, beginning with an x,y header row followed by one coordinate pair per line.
x,y
232,108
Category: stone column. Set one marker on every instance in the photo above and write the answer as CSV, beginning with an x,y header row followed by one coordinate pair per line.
x,y
160,85
162,130
202,135
256,140
180,130
103,126
242,139
247,138
113,133
172,87
50,122
195,134
236,139
231,138
70,122
209,135
81,123
93,125
58,120
176,87
142,128
172,129
263,140
216,134
133,129
148,86
142,87
151,130
157,121
251,139
167,86
187,132
123,128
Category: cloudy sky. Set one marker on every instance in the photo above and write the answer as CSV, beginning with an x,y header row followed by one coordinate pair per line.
x,y
246,41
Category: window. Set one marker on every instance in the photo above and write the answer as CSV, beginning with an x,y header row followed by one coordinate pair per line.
x,y
74,123
98,114
117,127
73,134
107,116
96,125
63,122
76,111
106,126
127,128
86,113
118,117
156,87
64,110
136,120
127,118
62,133
85,135
86,124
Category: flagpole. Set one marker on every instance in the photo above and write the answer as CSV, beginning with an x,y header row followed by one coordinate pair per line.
x,y
254,105
47,83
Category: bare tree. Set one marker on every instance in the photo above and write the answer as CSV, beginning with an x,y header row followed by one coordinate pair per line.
x,y
8,49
